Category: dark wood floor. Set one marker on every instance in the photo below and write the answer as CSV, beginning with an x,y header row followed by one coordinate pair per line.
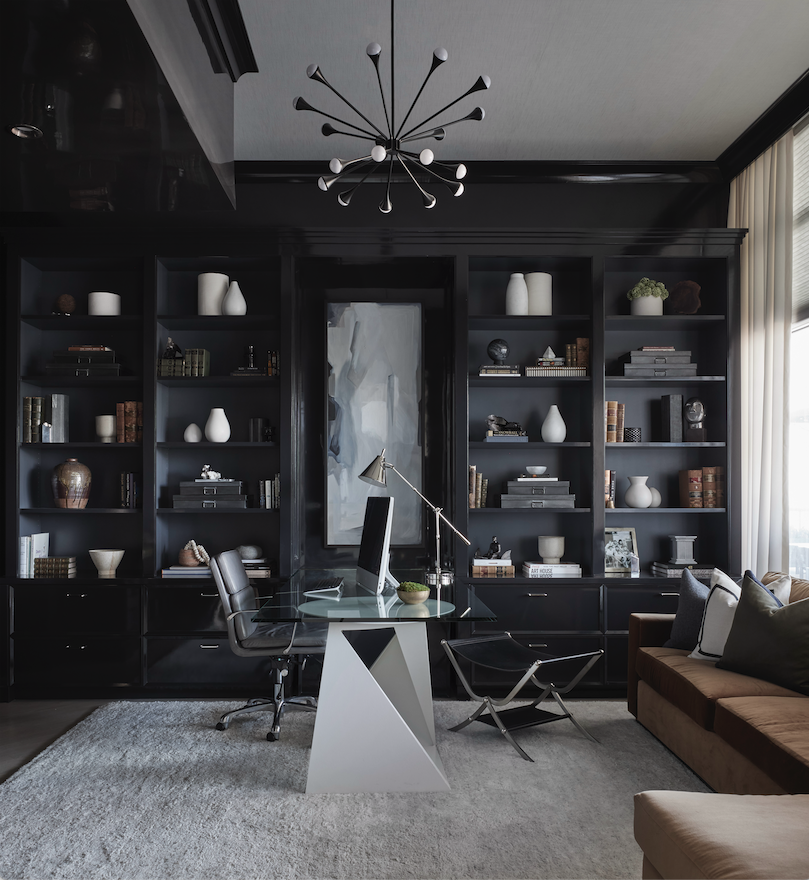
x,y
29,726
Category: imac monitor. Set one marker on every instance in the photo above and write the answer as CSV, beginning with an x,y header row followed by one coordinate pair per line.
x,y
372,563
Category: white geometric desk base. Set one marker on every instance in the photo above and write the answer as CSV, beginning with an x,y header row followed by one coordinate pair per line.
x,y
374,727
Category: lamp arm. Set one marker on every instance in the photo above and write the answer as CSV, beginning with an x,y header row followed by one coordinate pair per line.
x,y
436,510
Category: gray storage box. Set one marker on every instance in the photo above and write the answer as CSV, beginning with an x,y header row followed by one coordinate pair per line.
x,y
659,357
562,487
531,502
207,502
63,356
635,371
62,369
212,487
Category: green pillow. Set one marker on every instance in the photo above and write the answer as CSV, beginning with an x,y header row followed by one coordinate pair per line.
x,y
769,640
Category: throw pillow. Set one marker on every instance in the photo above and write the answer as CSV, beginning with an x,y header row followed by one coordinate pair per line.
x,y
690,608
717,617
780,587
769,640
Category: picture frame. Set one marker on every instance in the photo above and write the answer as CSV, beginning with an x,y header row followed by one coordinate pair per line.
x,y
619,542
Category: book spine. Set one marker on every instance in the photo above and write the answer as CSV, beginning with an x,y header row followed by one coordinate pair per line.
x,y
262,498
25,548
478,489
619,423
611,420
570,355
130,419
720,486
613,480
709,487
120,432
139,421
691,488
26,420
484,492
493,571
583,352
472,484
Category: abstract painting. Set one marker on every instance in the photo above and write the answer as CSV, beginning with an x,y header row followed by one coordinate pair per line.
x,y
374,397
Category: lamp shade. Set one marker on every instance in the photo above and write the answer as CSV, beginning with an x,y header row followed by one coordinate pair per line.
x,y
375,472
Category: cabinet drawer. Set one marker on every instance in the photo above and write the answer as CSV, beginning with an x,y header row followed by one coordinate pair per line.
x,y
538,607
76,660
184,609
202,661
623,601
558,646
86,609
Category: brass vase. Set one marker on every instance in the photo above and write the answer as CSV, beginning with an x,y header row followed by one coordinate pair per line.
x,y
70,482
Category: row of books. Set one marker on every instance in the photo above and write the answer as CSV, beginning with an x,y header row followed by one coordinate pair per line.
x,y
32,547
195,362
478,488
492,568
702,487
45,419
130,489
614,414
269,493
129,421
55,567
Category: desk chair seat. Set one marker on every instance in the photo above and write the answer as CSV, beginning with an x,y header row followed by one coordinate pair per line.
x,y
500,651
284,644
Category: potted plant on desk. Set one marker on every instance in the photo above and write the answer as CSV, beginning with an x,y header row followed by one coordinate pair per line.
x,y
412,593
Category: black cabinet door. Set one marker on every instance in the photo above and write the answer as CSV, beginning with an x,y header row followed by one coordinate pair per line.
x,y
540,607
185,609
202,661
643,598
75,609
76,660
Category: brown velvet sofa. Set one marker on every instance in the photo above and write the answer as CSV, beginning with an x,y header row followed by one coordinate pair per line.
x,y
742,735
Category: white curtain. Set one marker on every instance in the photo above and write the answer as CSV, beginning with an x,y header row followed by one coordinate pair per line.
x,y
761,201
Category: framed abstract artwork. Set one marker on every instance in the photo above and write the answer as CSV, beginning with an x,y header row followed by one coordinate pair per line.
x,y
374,402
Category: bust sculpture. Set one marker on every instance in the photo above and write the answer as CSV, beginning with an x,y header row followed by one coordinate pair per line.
x,y
694,412
498,351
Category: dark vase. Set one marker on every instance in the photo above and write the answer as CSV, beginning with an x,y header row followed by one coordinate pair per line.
x,y
70,482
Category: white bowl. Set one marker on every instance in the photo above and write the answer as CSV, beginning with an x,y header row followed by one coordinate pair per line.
x,y
535,471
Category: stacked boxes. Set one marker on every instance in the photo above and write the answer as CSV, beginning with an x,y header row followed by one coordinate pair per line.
x,y
204,494
537,493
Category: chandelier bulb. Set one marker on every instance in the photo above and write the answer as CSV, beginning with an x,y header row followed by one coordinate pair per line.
x,y
378,153
441,54
459,190
321,182
336,165
373,49
344,198
426,157
460,173
386,206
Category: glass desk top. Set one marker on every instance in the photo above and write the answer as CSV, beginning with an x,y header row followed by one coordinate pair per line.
x,y
290,602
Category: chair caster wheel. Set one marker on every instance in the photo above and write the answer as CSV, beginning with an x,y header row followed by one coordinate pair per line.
x,y
272,736
220,726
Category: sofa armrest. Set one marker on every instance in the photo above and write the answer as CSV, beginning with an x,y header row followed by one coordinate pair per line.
x,y
644,630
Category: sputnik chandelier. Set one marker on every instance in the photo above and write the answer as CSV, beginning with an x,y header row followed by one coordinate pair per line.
x,y
393,144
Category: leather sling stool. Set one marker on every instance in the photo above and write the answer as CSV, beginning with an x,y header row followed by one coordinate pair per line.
x,y
686,835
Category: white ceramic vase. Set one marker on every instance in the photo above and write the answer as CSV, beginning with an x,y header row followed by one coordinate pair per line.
x,y
192,433
102,302
657,498
106,561
646,305
554,429
106,428
540,299
551,548
234,302
517,295
217,428
638,494
211,290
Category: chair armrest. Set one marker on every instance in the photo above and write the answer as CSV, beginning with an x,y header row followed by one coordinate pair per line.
x,y
645,630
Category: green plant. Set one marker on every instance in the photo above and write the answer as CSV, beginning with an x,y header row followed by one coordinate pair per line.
x,y
411,587
647,287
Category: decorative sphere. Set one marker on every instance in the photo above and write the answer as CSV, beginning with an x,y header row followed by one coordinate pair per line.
x,y
498,350
66,304
250,551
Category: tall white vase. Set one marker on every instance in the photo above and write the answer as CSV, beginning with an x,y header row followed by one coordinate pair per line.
x,y
638,494
540,299
217,428
234,302
211,290
646,305
554,429
517,295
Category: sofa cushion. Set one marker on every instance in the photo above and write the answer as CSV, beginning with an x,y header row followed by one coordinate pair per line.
x,y
773,732
768,639
693,686
690,608
717,617
689,834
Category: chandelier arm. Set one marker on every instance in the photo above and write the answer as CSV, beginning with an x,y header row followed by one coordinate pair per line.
x,y
418,94
475,116
455,185
428,198
425,121
358,112
423,167
328,180
384,102
365,137
437,133
346,195
386,206
308,106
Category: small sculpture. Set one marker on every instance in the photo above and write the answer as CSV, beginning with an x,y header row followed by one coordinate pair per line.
x,y
499,425
199,552
684,298
208,474
494,552
498,351
65,305
694,411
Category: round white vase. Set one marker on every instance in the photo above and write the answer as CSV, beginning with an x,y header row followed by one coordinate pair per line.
x,y
517,295
192,433
211,290
554,429
657,498
638,494
551,548
540,300
646,305
217,428
234,302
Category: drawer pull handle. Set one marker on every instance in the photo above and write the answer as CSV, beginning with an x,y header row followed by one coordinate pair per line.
x,y
668,594
76,595
209,595
80,647
209,647
537,595
540,645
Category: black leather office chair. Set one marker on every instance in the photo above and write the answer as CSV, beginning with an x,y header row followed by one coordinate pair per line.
x,y
284,643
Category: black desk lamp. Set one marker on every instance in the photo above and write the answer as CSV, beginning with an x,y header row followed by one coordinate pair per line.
x,y
375,475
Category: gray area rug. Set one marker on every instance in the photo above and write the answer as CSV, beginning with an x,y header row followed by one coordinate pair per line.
x,y
149,790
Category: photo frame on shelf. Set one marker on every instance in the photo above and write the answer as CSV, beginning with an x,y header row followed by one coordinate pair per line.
x,y
374,400
619,543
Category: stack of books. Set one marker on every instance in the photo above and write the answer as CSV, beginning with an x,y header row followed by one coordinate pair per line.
x,y
478,488
83,360
577,354
675,570
614,416
492,568
499,370
702,487
55,567
257,568
506,437
537,492
557,570
45,419
186,571
658,362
